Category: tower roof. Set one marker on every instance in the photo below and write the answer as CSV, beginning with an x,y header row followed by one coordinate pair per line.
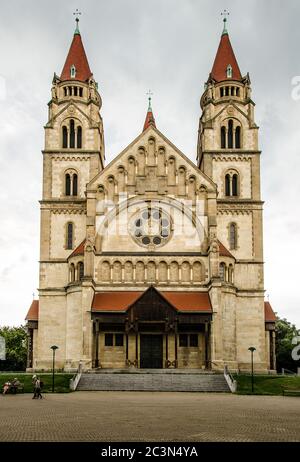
x,y
225,56
77,58
149,117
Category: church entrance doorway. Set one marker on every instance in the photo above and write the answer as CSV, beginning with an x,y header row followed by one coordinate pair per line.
x,y
151,351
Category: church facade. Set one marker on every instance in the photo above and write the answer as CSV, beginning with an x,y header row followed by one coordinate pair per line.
x,y
151,261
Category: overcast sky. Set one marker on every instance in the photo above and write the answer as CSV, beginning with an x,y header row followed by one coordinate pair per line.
x,y
133,45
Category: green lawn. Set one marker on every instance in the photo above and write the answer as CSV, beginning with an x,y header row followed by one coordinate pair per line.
x,y
265,384
62,381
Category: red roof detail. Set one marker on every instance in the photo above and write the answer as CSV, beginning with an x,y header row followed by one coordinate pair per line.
x,y
114,301
77,57
33,312
79,250
223,251
149,120
270,316
225,55
189,301
181,301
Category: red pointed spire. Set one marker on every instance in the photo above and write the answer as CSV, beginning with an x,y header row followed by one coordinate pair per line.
x,y
149,117
77,58
225,57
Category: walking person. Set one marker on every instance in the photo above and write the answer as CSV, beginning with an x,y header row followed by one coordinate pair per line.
x,y
38,388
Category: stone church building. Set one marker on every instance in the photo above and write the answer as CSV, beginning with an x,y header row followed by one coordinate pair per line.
x,y
151,261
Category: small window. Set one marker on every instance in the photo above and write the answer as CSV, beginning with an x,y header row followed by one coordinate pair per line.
x,y
75,91
80,270
64,137
183,340
109,340
222,271
229,71
193,340
235,185
73,72
119,340
80,92
72,133
223,138
65,91
70,236
230,134
227,185
233,236
238,137
79,137
222,92
68,184
75,184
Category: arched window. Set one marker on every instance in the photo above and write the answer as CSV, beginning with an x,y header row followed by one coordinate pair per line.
x,y
229,71
227,184
68,184
238,137
73,72
223,137
233,236
80,270
230,274
79,137
230,134
80,92
72,134
222,271
70,235
64,137
237,92
235,185
72,272
65,91
75,91
222,92
75,185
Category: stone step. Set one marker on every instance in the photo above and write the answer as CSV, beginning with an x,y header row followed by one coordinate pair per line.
x,y
153,382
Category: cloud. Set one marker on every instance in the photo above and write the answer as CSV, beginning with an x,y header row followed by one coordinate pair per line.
x,y
133,46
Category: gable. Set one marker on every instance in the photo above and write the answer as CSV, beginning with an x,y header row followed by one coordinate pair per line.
x,y
152,164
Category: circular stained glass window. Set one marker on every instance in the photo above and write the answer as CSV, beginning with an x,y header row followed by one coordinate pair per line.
x,y
151,227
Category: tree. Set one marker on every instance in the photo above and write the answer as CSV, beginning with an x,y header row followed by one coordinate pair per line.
x,y
16,348
285,333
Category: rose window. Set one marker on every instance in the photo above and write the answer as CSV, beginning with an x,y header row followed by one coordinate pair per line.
x,y
151,227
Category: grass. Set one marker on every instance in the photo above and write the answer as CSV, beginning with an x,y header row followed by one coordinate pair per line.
x,y
265,384
62,381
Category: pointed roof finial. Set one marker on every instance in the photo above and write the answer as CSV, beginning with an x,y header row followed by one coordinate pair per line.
x,y
77,13
149,93
149,116
225,13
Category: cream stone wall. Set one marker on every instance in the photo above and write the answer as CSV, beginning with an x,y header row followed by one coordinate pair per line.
x,y
53,274
244,222
62,164
51,330
58,233
240,164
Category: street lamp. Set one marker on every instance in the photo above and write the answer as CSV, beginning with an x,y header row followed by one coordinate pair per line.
x,y
252,349
53,348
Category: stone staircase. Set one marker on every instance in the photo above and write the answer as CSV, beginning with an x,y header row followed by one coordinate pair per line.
x,y
153,380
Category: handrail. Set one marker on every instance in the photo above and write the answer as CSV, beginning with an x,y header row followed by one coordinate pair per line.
x,y
230,380
283,371
76,377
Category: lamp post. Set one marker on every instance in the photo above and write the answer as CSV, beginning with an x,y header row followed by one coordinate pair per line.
x,y
252,349
53,348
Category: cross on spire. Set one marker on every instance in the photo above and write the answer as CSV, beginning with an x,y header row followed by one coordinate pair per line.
x,y
149,93
77,13
225,13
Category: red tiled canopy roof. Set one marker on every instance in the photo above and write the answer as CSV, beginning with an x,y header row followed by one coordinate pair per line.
x,y
270,316
181,301
79,250
223,251
76,57
225,55
33,312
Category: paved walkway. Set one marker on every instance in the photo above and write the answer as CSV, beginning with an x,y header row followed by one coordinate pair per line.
x,y
146,416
